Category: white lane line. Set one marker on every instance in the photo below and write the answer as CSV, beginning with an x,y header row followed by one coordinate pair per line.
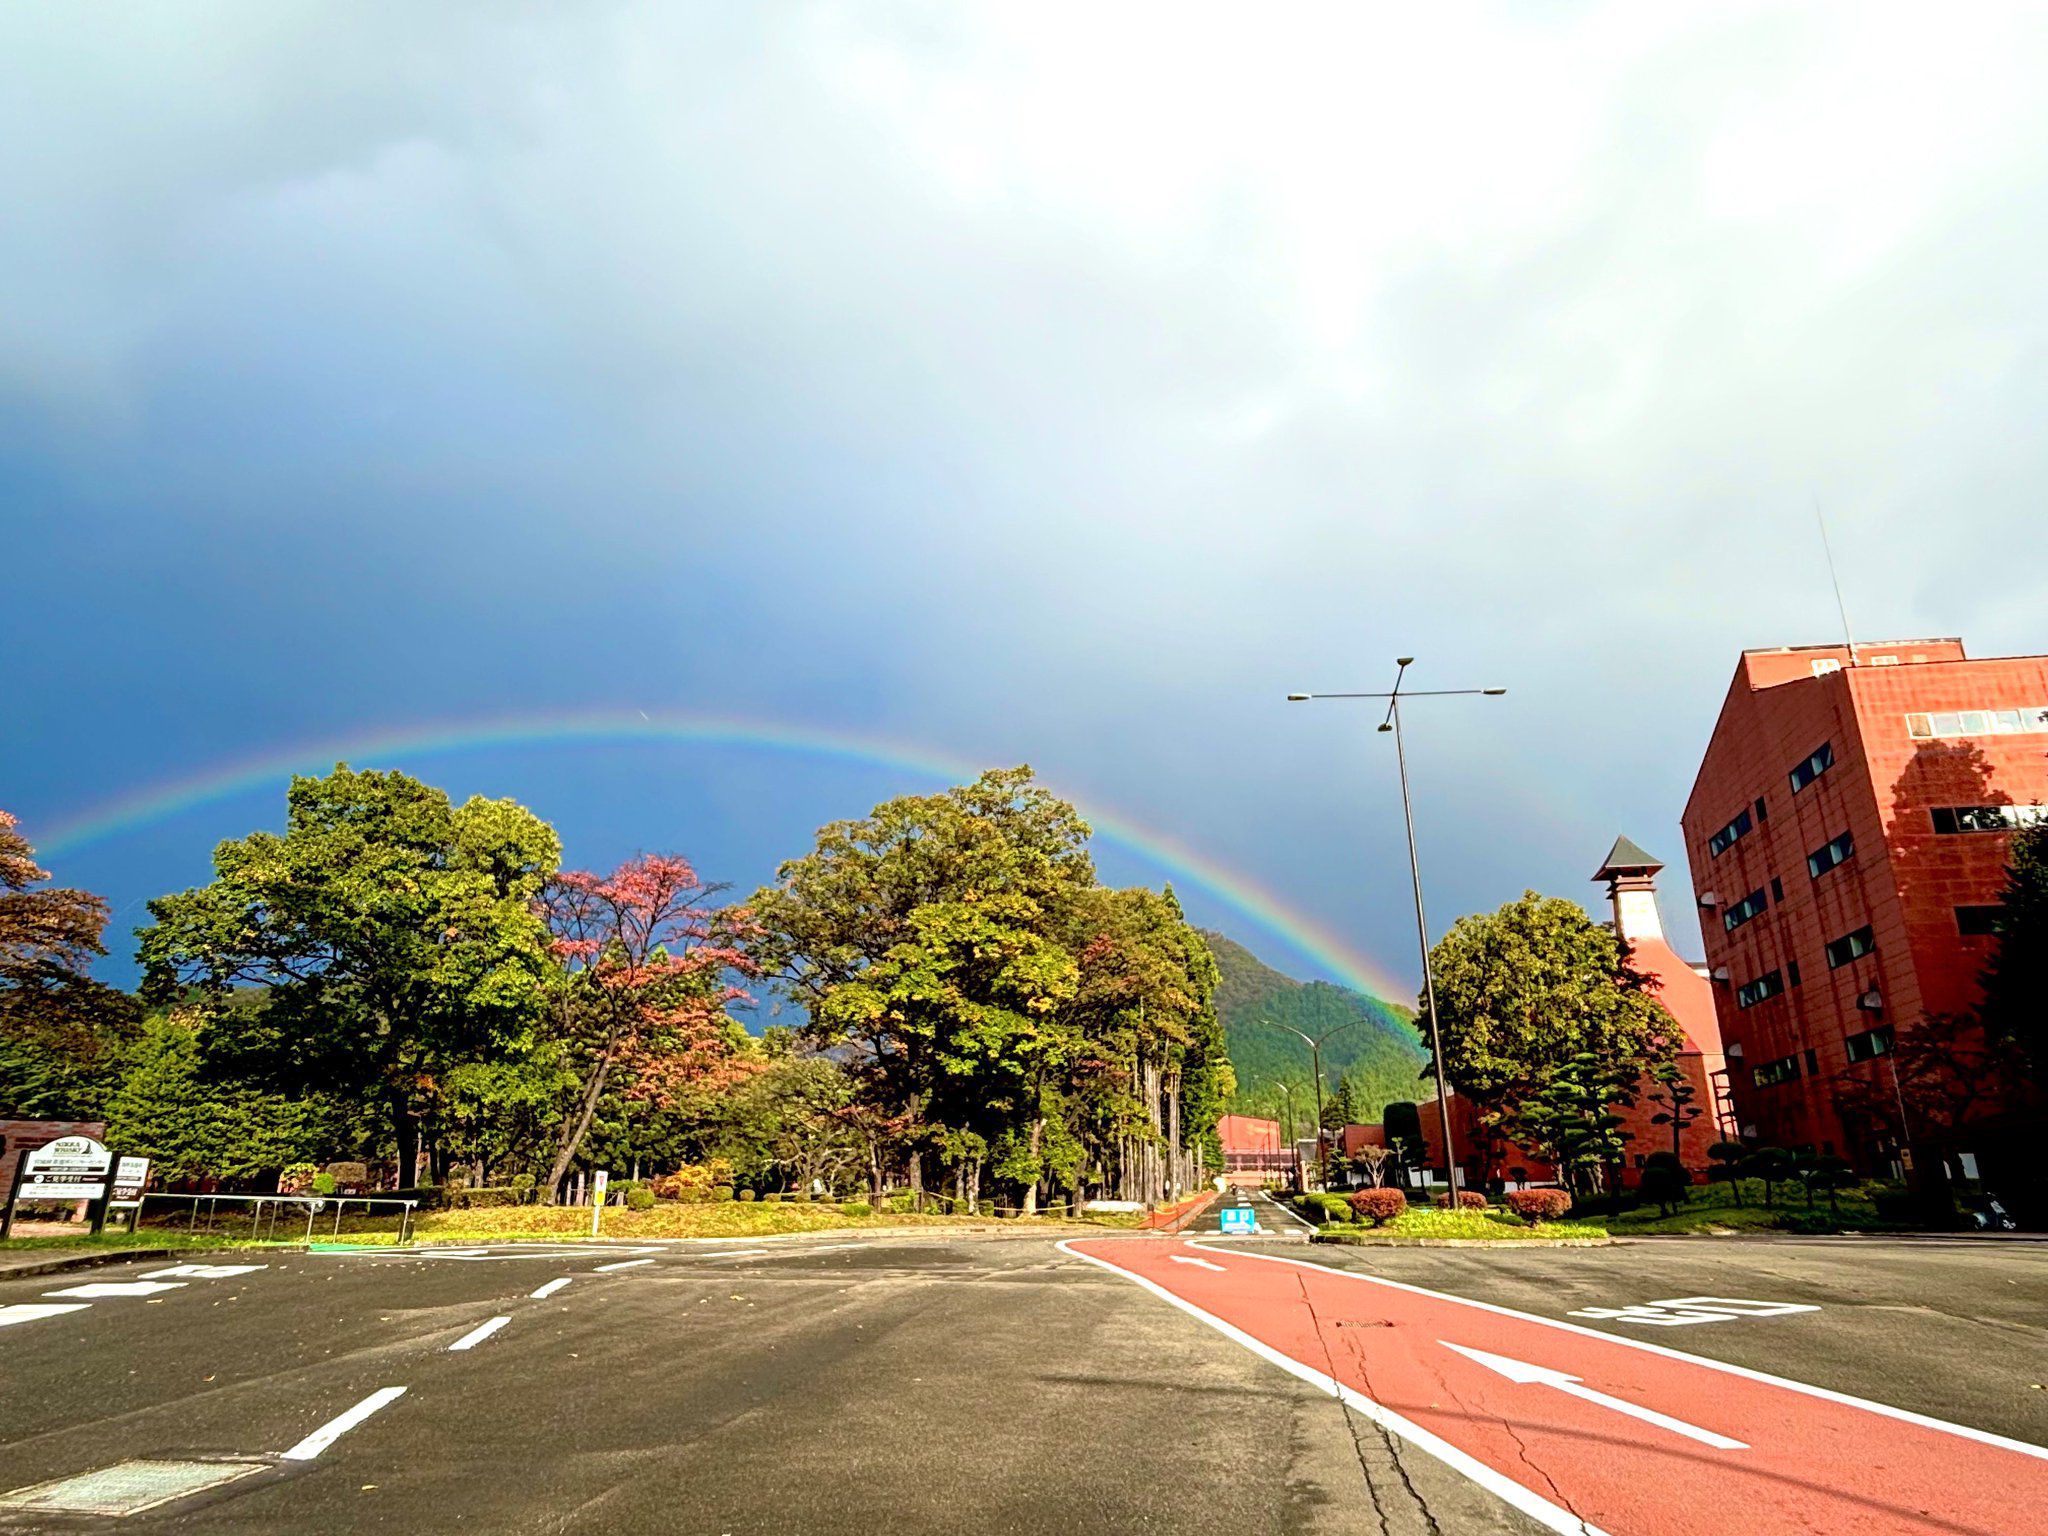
x,y
1550,1516
1904,1415
479,1333
29,1311
1293,1216
605,1269
1181,1258
99,1288
551,1287
335,1428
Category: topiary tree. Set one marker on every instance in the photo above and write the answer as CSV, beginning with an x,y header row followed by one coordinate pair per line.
x,y
1664,1181
1774,1165
1537,1206
1828,1174
1727,1158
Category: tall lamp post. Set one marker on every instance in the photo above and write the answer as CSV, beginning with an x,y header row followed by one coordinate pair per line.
x,y
1286,1098
1392,722
1315,1053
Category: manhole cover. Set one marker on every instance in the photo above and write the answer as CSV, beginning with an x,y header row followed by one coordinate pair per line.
x,y
129,1487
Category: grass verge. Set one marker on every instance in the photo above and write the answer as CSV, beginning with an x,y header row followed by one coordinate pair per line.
x,y
1422,1226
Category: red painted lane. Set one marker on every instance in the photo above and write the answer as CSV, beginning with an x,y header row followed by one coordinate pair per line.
x,y
1809,1464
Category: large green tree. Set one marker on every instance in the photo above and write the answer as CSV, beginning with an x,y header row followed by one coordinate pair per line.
x,y
61,1032
396,935
1528,990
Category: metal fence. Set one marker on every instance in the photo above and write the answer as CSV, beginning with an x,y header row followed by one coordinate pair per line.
x,y
267,1218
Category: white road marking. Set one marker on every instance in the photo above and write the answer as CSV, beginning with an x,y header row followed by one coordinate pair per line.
x,y
335,1428
204,1271
551,1287
479,1333
30,1311
1300,1221
1904,1415
605,1269
1683,1311
101,1288
729,1253
1551,1517
1181,1258
1525,1374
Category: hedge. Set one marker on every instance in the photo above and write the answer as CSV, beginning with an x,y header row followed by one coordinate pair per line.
x,y
1468,1200
1378,1206
1536,1206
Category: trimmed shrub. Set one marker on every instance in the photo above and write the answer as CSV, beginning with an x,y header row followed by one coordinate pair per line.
x,y
457,1198
1468,1200
297,1178
640,1199
1537,1206
693,1182
428,1196
902,1205
856,1208
323,1184
1376,1207
721,1192
522,1185
746,1194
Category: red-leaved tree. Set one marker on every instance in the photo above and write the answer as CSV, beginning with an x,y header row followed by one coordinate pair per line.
x,y
648,967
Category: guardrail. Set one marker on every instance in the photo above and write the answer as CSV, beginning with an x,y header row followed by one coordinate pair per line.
x,y
274,1218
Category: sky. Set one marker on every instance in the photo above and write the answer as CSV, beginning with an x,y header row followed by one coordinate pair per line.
x,y
1060,384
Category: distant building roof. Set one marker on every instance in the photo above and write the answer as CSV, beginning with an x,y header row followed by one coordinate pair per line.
x,y
1625,856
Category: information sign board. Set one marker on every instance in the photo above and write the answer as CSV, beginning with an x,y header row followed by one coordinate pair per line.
x,y
69,1168
130,1174
1238,1218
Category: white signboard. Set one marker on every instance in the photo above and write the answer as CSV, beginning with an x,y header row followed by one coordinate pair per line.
x,y
69,1168
130,1174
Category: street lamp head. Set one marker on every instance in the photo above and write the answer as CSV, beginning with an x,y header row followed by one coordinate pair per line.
x,y
1299,698
1386,725
1404,661
1493,693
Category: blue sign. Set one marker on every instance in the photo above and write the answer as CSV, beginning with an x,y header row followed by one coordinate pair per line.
x,y
1239,1218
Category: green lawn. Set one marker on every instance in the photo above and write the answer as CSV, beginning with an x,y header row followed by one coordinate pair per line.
x,y
1712,1209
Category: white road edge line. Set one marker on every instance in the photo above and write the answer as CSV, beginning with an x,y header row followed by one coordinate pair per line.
x,y
335,1428
1550,1516
31,1311
551,1287
605,1269
1905,1415
478,1334
733,1253
1294,1216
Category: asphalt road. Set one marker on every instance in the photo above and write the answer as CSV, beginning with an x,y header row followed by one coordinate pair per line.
x,y
959,1384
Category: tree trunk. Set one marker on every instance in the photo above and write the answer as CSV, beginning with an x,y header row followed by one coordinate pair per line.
x,y
974,1187
577,1126
1031,1189
406,1129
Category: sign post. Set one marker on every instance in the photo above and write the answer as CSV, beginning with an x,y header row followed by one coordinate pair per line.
x,y
597,1198
69,1168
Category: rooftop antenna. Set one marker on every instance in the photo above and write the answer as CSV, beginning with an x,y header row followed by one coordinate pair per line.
x,y
1840,606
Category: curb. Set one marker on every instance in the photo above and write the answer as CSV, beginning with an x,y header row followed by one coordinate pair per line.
x,y
1356,1240
57,1264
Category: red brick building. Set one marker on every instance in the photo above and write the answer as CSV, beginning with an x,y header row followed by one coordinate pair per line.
x,y
1847,837
1253,1153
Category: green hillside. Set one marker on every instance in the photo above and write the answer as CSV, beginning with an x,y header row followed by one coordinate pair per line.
x,y
1381,1057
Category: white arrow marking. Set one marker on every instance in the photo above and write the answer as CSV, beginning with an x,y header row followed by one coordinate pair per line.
x,y
1180,1258
1522,1372
29,1311
204,1271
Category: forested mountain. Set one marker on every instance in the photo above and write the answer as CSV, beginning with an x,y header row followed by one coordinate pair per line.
x,y
1380,1058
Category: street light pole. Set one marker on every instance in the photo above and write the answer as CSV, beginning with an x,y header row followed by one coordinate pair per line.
x,y
1315,1054
1392,723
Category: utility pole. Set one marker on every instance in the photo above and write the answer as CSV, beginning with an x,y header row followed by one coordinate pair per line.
x,y
1315,1051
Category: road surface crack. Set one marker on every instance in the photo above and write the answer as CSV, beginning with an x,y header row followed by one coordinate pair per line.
x,y
1389,1442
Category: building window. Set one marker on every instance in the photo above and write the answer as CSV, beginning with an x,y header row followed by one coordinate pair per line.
x,y
1752,905
1792,972
1820,762
1812,1064
1777,889
1825,858
1850,946
1950,819
1763,812
1769,1074
1823,667
1871,1044
2030,720
1729,835
1750,993
1977,922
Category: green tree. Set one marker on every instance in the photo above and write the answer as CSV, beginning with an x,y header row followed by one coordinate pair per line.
x,y
923,940
2015,1008
1524,991
1673,1094
190,1125
1727,1158
1665,1181
1773,1165
1572,1120
396,935
61,1032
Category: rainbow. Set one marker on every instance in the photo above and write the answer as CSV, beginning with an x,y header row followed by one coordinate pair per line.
x,y
158,802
